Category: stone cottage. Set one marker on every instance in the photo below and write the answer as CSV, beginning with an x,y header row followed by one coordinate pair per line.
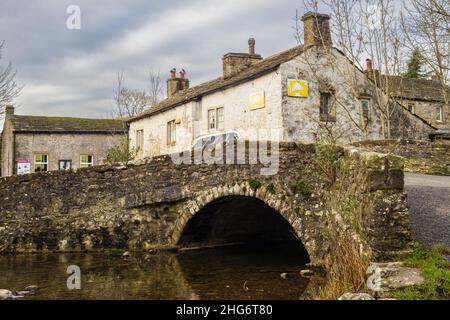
x,y
303,94
424,98
34,143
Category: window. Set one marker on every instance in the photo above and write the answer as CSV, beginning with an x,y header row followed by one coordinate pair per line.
x,y
219,118
40,162
171,133
326,107
439,114
412,108
211,119
365,109
216,119
140,140
65,164
86,160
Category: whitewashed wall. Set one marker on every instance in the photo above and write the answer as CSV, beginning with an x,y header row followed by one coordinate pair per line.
x,y
193,115
301,115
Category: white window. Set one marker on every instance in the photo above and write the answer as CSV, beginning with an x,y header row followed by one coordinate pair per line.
x,y
40,162
212,119
139,140
365,109
86,160
216,119
440,114
171,133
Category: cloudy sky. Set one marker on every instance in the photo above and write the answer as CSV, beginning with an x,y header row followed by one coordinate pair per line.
x,y
73,72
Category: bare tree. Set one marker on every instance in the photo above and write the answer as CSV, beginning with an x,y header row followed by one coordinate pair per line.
x,y
155,90
361,29
9,89
426,26
129,102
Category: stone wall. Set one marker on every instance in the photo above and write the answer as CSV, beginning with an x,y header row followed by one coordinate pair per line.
x,y
419,156
148,205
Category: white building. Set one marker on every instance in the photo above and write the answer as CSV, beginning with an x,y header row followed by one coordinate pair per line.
x,y
304,94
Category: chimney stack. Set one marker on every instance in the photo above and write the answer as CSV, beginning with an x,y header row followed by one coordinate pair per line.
x,y
9,112
251,46
316,30
175,84
234,63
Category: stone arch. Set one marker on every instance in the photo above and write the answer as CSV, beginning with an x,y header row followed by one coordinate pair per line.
x,y
287,210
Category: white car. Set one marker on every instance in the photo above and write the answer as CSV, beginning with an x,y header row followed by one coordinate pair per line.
x,y
213,139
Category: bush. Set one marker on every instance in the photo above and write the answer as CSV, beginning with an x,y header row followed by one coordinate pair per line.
x,y
121,152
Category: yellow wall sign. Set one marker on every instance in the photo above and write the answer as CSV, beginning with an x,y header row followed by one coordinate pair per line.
x,y
257,100
297,88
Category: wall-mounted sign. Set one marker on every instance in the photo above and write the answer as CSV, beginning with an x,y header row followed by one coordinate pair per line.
x,y
297,88
23,166
257,100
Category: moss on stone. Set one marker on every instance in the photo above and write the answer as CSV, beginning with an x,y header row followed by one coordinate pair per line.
x,y
254,184
271,188
374,161
300,187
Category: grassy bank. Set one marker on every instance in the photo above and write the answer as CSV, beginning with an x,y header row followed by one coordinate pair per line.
x,y
436,270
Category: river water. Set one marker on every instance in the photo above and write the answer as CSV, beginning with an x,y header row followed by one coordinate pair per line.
x,y
226,273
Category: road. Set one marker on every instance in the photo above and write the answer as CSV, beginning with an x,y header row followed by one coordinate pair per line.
x,y
429,208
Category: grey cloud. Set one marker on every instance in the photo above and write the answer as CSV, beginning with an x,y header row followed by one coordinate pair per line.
x,y
73,72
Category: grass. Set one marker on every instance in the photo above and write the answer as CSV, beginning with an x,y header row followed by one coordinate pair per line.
x,y
436,271
347,269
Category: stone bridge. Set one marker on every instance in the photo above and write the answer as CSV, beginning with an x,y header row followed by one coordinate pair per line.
x,y
322,196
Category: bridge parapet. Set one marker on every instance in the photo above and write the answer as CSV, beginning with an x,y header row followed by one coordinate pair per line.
x,y
146,206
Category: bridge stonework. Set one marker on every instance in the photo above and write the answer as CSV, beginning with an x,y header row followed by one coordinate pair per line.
x,y
146,206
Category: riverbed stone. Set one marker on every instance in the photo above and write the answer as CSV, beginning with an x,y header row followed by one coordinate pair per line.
x,y
5,294
356,296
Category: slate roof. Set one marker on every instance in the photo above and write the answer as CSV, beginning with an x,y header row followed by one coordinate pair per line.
x,y
40,124
260,68
416,89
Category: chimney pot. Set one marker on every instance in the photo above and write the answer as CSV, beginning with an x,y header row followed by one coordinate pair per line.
x,y
251,46
182,74
173,73
317,30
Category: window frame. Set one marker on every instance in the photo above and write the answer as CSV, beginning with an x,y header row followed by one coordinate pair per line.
x,y
65,161
36,163
86,164
171,132
365,118
218,125
440,114
139,135
330,115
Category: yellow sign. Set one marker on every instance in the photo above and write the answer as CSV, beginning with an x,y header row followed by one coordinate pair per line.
x,y
297,88
257,100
